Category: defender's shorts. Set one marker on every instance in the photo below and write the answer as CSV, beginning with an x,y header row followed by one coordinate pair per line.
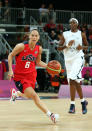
x,y
74,68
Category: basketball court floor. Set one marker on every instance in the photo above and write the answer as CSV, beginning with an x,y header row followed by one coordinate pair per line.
x,y
23,115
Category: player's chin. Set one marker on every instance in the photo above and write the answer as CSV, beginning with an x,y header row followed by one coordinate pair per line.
x,y
73,27
34,41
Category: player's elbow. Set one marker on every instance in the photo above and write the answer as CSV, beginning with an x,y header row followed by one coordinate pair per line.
x,y
38,63
10,56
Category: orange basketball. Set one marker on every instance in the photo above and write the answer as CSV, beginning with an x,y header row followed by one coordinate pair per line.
x,y
53,67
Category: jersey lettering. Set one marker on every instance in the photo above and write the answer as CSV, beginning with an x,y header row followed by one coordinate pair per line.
x,y
29,58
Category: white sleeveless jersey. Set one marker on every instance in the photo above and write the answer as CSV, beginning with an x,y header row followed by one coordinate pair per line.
x,y
72,53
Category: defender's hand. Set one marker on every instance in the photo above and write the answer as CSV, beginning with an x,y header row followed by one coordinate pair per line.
x,y
70,43
79,47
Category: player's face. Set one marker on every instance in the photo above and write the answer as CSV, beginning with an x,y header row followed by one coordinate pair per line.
x,y
73,25
34,36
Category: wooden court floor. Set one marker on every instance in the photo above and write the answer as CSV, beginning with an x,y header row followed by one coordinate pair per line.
x,y
23,115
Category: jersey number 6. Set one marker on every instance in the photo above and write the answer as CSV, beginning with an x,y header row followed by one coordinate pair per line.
x,y
27,65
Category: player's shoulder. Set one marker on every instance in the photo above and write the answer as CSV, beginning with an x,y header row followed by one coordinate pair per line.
x,y
65,32
20,46
79,31
40,48
82,33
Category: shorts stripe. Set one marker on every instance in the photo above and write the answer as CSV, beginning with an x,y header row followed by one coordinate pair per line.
x,y
19,85
80,69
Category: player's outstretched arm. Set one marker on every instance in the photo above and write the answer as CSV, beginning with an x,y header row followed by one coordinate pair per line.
x,y
17,49
38,60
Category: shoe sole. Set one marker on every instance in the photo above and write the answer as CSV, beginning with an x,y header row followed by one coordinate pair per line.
x,y
71,112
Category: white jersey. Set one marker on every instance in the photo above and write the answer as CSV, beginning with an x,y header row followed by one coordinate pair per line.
x,y
72,52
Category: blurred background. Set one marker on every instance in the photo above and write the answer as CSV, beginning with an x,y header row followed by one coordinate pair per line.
x,y
18,17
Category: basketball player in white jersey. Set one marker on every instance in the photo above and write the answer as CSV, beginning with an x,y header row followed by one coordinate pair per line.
x,y
73,42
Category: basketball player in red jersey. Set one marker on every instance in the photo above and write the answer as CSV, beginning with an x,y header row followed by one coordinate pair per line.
x,y
28,55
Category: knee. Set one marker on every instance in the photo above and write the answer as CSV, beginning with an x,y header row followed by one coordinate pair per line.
x,y
36,99
29,95
34,96
72,82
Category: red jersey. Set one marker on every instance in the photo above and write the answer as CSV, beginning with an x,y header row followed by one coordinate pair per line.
x,y
26,63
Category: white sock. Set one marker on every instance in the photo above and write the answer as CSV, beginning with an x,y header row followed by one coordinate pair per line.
x,y
48,113
73,102
82,100
16,94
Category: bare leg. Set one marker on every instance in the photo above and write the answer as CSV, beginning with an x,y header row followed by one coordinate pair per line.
x,y
79,90
72,90
72,95
84,103
20,94
30,93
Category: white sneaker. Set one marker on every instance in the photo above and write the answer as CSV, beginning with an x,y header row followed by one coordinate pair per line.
x,y
54,117
13,94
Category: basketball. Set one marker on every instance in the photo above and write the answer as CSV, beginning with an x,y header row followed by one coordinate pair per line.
x,y
53,67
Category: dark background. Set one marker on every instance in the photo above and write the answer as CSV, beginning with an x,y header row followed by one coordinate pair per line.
x,y
58,4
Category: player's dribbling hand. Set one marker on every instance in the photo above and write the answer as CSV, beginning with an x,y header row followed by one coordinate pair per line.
x,y
70,43
10,75
79,47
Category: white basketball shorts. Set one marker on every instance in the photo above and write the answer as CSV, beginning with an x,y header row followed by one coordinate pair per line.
x,y
74,68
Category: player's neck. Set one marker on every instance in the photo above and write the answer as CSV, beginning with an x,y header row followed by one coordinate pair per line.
x,y
74,30
31,45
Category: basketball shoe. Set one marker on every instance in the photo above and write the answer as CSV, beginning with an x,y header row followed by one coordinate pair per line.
x,y
54,117
13,94
72,108
84,107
